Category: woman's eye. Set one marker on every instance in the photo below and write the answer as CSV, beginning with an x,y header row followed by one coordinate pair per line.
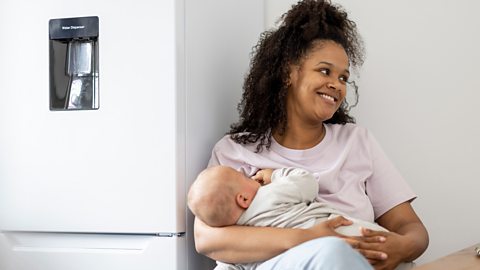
x,y
325,71
344,79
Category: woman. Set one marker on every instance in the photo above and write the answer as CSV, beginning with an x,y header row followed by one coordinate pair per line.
x,y
293,113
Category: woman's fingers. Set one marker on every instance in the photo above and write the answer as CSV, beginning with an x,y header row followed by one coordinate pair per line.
x,y
369,233
369,247
354,243
374,239
373,255
338,221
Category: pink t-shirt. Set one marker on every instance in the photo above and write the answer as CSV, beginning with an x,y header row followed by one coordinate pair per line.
x,y
353,172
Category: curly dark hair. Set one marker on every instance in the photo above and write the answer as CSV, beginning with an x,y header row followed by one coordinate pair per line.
x,y
262,108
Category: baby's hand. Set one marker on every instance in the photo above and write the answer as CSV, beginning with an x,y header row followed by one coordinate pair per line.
x,y
263,177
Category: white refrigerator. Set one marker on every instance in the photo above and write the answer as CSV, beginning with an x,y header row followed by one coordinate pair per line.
x,y
104,125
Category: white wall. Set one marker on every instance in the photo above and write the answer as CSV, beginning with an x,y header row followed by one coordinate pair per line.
x,y
419,91
218,46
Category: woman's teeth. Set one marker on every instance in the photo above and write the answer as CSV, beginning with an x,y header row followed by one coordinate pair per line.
x,y
328,97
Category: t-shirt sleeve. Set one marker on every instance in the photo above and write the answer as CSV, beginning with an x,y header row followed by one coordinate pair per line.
x,y
386,188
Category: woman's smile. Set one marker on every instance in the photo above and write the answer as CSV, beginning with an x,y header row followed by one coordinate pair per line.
x,y
332,100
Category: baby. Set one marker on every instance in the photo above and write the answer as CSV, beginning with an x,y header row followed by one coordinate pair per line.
x,y
222,196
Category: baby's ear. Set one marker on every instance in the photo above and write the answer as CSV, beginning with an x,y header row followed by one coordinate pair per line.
x,y
243,200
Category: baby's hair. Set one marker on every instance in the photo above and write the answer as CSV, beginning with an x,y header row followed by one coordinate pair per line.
x,y
212,198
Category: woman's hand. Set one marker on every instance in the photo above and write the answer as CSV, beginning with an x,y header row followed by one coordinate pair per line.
x,y
368,246
406,240
373,245
393,247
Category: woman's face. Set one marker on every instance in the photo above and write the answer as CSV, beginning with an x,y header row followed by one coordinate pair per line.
x,y
318,84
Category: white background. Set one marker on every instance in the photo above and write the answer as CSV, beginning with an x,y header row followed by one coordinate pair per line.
x,y
419,90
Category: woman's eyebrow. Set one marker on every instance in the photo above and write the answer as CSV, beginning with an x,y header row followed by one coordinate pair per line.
x,y
331,65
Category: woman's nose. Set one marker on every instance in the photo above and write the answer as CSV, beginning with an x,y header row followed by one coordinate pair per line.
x,y
332,85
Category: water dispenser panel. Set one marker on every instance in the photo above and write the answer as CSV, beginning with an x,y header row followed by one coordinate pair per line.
x,y
73,61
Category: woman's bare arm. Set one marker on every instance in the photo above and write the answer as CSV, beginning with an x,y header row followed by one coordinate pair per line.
x,y
403,220
244,244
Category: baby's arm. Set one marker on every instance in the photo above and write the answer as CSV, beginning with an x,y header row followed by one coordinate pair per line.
x,y
306,186
263,177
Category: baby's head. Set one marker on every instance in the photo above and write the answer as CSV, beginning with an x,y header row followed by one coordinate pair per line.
x,y
220,194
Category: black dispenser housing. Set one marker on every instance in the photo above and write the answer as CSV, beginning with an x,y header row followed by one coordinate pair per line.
x,y
73,45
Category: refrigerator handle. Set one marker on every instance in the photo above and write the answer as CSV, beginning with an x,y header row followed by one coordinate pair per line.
x,y
75,242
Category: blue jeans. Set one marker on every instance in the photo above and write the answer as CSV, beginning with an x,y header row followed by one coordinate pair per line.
x,y
326,253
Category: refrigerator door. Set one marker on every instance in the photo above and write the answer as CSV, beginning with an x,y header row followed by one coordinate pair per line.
x,y
26,251
116,169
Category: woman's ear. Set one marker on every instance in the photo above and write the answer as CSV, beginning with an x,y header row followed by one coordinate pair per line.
x,y
292,74
243,200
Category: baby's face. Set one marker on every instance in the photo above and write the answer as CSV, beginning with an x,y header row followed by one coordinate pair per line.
x,y
245,182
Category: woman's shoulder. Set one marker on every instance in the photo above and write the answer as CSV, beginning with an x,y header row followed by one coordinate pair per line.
x,y
229,148
226,143
225,140
236,155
